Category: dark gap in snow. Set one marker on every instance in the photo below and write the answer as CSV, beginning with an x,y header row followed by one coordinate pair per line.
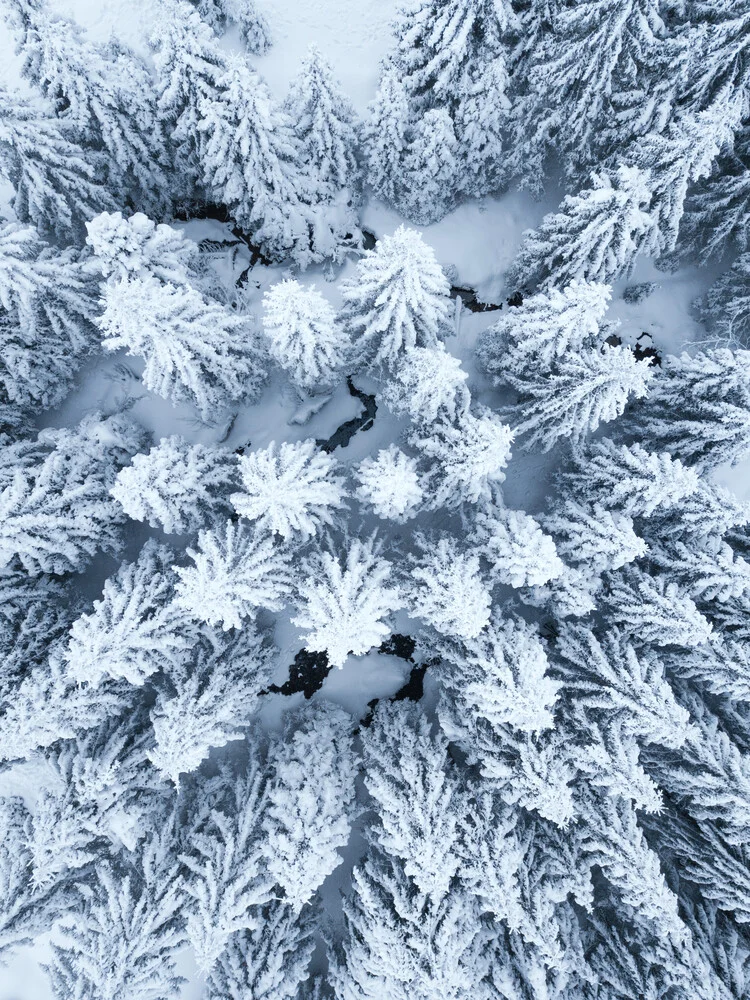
x,y
369,239
399,645
220,213
515,300
306,674
649,351
343,434
469,299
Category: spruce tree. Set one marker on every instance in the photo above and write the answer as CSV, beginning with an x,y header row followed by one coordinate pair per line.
x,y
431,169
385,134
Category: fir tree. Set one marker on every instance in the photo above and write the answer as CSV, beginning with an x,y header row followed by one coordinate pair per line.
x,y
291,492
725,308
254,28
346,601
177,487
385,134
305,827
138,248
518,552
651,610
595,236
195,350
481,121
594,537
303,335
447,588
396,300
429,383
431,169
236,571
389,483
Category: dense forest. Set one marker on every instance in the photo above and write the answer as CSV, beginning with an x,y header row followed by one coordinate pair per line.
x,y
549,796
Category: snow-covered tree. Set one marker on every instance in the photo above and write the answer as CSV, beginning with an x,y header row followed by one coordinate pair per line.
x,y
722,55
291,491
385,136
652,610
134,630
120,941
58,185
270,961
428,382
389,483
396,300
481,121
254,28
303,335
56,512
467,457
447,589
347,600
595,236
725,308
708,568
431,168
136,247
594,537
629,478
208,701
543,328
583,390
417,794
518,552
194,349
237,569
248,160
178,487
310,800
325,126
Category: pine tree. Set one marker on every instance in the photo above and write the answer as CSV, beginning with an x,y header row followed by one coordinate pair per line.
x,y
208,700
543,328
325,126
467,457
385,136
254,29
518,552
55,503
725,308
303,335
431,169
429,383
195,350
447,588
107,96
417,795
58,185
138,248
593,536
292,491
481,121
248,159
582,391
595,236
178,487
310,800
269,962
389,483
236,571
347,601
653,611
396,300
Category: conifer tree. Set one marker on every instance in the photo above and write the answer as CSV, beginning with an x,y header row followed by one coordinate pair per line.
x,y
594,537
429,383
651,610
725,308
346,601
292,491
396,300
138,248
431,168
390,484
595,236
481,121
236,571
177,487
518,552
722,58
303,335
58,185
254,28
248,158
385,134
582,391
305,827
447,588
195,350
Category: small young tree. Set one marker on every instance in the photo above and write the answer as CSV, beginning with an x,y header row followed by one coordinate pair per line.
x,y
194,349
519,553
447,589
292,491
134,630
178,487
396,300
431,169
595,236
347,603
236,570
390,484
468,456
429,383
582,391
303,335
305,825
248,161
138,248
